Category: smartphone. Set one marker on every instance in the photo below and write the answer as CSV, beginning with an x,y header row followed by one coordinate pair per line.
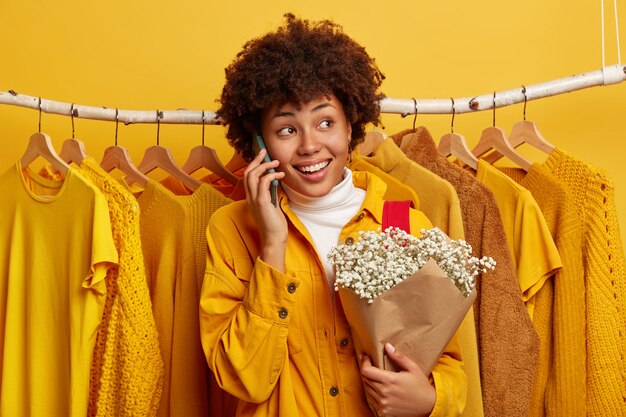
x,y
257,145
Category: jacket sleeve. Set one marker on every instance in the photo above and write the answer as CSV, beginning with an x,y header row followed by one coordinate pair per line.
x,y
450,382
244,314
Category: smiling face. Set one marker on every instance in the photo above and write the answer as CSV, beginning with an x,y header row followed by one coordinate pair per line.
x,y
310,142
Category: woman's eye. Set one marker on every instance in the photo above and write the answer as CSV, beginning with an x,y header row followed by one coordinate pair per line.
x,y
326,123
286,131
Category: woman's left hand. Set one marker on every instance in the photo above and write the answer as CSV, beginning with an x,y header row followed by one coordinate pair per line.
x,y
398,394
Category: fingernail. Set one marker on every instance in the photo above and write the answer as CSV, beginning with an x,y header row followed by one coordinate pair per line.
x,y
390,347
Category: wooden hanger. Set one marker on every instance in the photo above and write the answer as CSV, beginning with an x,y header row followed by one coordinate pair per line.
x,y
236,162
40,144
453,144
522,132
204,157
494,138
371,141
73,150
116,157
160,157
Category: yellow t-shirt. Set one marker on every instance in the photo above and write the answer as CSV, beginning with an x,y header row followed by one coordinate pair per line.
x,y
533,250
55,249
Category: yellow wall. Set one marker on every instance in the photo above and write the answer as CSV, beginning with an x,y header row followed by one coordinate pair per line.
x,y
168,55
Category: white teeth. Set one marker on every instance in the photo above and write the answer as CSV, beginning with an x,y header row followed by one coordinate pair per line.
x,y
314,168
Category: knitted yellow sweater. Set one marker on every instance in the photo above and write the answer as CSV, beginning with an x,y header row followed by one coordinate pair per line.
x,y
127,370
172,229
603,256
559,318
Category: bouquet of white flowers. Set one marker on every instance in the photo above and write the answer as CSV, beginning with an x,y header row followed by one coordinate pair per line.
x,y
412,292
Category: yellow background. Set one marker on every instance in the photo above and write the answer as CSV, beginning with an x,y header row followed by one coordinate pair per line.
x,y
141,55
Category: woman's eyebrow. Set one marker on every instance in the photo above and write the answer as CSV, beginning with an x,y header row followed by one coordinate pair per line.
x,y
313,110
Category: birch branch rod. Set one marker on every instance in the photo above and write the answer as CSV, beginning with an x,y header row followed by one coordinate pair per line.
x,y
607,75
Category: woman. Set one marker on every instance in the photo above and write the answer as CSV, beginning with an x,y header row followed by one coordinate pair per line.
x,y
272,327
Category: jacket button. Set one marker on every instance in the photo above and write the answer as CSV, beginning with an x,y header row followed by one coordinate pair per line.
x,y
291,288
334,391
344,342
349,240
361,216
282,313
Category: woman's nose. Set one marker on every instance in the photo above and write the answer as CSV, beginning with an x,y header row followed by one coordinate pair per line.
x,y
309,143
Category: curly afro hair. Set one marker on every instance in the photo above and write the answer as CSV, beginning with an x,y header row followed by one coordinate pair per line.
x,y
299,62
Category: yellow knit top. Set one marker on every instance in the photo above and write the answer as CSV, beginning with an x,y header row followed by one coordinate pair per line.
x,y
127,370
603,256
172,227
560,380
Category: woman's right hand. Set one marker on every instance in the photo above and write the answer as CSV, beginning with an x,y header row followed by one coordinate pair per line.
x,y
270,220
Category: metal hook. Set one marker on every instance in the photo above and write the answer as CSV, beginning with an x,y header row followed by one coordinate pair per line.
x,y
72,116
158,126
453,113
202,127
39,114
494,109
414,117
525,100
117,122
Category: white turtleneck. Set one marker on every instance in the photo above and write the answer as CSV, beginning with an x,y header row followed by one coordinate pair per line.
x,y
324,217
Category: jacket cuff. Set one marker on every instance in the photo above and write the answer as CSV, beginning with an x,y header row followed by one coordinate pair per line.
x,y
271,293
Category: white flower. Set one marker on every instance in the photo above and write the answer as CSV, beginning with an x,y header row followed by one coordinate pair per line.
x,y
380,260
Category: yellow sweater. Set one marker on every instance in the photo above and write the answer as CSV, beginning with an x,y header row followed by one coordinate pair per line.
x,y
171,228
605,277
440,203
127,370
560,380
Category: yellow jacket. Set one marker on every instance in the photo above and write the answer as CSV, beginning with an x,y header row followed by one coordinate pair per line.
x,y
279,341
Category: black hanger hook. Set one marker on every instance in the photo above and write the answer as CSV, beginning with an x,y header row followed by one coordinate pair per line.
x,y
72,116
525,100
117,122
453,113
39,105
158,126
202,127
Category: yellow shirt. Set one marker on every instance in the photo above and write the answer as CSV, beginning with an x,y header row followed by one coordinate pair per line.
x,y
280,341
440,203
533,250
55,249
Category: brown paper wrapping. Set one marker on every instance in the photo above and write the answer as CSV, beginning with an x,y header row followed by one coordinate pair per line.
x,y
419,316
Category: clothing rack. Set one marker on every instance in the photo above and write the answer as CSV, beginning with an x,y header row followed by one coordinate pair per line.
x,y
608,75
